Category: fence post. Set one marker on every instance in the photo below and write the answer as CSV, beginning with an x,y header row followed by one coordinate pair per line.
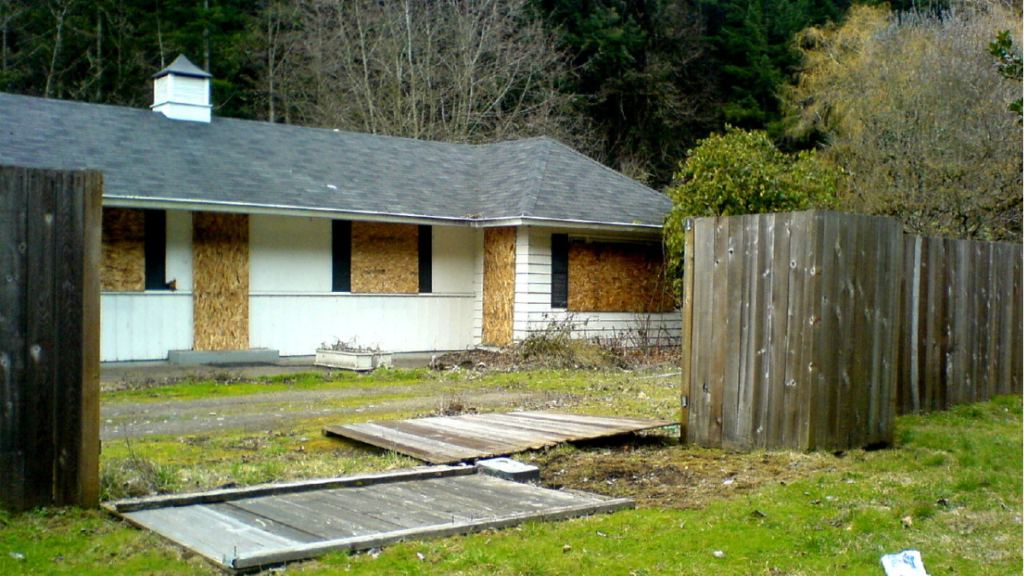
x,y
687,330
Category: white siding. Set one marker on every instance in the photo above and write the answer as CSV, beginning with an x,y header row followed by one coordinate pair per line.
x,y
522,303
137,326
453,254
179,248
296,324
533,310
478,290
627,328
293,310
289,254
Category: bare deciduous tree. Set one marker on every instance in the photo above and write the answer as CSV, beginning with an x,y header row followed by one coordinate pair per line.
x,y
913,110
455,70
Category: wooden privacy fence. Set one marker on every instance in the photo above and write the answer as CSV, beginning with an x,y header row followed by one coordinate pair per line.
x,y
813,330
49,337
961,332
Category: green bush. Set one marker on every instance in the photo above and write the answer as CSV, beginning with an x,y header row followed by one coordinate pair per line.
x,y
742,172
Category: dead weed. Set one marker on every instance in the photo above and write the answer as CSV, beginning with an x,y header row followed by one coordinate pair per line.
x,y
657,472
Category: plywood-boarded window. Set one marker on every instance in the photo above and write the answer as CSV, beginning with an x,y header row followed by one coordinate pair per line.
x,y
385,258
220,297
123,265
499,285
617,277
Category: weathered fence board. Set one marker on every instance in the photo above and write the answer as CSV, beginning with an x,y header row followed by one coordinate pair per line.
x,y
251,528
813,330
49,337
961,323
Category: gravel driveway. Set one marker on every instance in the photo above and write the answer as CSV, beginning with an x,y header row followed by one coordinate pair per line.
x,y
269,411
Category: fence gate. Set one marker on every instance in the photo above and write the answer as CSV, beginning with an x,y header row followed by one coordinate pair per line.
x,y
49,337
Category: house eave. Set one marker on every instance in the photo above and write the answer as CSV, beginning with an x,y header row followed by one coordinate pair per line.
x,y
148,203
568,223
117,201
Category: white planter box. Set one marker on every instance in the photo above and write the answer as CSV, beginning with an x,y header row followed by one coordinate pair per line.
x,y
358,361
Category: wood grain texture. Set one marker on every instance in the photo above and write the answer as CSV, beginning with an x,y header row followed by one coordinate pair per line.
x,y
703,248
231,494
49,337
14,356
613,277
447,440
776,281
686,337
88,489
124,257
814,330
960,322
220,278
499,288
794,330
385,258
249,533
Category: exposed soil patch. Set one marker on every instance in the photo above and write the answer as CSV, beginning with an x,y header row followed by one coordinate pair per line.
x,y
657,472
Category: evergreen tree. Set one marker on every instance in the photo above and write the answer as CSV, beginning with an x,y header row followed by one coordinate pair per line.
x,y
750,43
638,78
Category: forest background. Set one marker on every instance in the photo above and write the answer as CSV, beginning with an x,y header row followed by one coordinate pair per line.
x,y
904,103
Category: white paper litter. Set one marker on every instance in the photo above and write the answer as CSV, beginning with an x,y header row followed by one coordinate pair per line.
x,y
905,563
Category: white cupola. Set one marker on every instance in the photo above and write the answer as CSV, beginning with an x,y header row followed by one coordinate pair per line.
x,y
182,91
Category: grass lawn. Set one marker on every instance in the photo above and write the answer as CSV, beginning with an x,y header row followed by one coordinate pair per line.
x,y
951,487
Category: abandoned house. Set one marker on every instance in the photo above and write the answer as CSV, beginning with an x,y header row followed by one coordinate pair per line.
x,y
222,234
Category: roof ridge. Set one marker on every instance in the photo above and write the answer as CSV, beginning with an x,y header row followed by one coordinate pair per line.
x,y
293,167
528,202
249,121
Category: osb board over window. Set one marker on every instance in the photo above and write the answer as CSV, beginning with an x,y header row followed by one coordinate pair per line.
x,y
385,258
123,265
220,293
499,285
614,277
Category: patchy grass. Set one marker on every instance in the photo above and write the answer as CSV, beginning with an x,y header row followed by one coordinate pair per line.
x,y
155,465
192,389
782,513
140,465
951,487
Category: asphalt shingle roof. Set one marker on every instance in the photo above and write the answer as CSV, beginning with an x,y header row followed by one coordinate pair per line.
x,y
146,156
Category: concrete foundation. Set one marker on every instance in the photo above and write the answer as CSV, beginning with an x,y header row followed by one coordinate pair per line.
x,y
232,357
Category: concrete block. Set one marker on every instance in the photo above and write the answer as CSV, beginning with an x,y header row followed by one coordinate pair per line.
x,y
509,469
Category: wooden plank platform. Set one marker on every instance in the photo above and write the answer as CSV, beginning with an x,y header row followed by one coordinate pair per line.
x,y
452,439
251,528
